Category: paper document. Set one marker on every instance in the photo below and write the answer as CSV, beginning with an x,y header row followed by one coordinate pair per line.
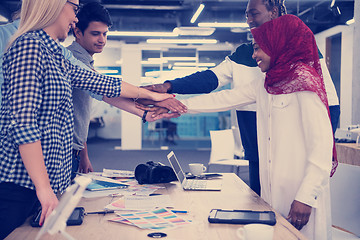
x,y
140,202
117,173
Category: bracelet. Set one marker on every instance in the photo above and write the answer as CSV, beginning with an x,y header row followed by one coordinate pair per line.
x,y
144,116
138,95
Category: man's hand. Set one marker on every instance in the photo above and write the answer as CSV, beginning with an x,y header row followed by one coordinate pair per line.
x,y
299,214
159,114
171,104
85,165
161,88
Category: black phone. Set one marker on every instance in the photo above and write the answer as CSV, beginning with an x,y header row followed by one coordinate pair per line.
x,y
76,217
204,176
210,175
241,216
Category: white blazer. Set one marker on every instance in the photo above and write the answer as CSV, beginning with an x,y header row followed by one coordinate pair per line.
x,y
295,148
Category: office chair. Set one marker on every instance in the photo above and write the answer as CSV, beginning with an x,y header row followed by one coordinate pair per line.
x,y
223,149
156,127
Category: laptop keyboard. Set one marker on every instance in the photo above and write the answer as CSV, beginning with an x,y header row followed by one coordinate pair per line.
x,y
195,184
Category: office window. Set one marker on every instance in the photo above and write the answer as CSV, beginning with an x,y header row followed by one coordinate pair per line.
x,y
170,63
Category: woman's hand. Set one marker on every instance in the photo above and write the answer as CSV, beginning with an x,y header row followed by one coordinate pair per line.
x,y
31,154
171,104
299,214
48,201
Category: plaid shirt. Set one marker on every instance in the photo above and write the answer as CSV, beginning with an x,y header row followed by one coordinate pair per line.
x,y
37,105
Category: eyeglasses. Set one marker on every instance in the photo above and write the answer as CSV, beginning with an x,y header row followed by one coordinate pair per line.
x,y
76,7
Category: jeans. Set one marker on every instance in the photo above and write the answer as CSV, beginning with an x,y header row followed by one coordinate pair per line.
x,y
16,205
248,134
75,164
334,116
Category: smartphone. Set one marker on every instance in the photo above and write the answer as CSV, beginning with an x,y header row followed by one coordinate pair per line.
x,y
241,216
210,175
76,217
204,176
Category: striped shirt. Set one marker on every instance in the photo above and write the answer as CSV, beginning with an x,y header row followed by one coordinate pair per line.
x,y
37,105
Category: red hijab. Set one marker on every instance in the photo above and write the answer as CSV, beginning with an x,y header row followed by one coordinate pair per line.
x,y
294,64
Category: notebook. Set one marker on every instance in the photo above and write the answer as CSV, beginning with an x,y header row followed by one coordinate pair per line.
x,y
98,185
192,184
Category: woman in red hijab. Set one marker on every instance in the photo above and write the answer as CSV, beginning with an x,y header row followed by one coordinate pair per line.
x,y
293,107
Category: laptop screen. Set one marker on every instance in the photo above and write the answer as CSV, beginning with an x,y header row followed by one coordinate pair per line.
x,y
176,167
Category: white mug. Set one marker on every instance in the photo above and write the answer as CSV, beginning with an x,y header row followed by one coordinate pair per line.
x,y
255,232
197,169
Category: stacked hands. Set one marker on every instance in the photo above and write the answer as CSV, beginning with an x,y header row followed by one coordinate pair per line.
x,y
167,108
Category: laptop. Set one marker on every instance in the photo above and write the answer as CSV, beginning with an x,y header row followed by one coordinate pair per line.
x,y
192,184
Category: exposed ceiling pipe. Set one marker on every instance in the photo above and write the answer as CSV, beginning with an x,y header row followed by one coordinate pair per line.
x,y
298,8
145,7
310,8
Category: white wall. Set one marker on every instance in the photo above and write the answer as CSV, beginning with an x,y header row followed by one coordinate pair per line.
x,y
346,104
356,64
131,125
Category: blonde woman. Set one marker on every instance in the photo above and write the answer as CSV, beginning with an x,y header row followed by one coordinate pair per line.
x,y
36,119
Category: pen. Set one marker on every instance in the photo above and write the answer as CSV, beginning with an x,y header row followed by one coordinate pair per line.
x,y
101,212
155,194
179,211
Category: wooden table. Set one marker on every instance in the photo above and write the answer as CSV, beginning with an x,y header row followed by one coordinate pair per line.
x,y
348,153
235,194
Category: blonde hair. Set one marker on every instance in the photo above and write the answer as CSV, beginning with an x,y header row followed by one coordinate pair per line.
x,y
37,14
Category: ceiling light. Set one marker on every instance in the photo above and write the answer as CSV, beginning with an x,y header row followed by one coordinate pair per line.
x,y
197,13
239,30
332,3
3,19
194,64
183,41
351,21
167,59
154,61
194,31
152,74
189,68
207,64
142,34
336,11
107,71
224,25
181,58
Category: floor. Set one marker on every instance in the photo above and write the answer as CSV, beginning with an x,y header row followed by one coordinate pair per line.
x,y
341,235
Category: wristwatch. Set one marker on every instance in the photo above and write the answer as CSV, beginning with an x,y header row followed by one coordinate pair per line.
x,y
144,116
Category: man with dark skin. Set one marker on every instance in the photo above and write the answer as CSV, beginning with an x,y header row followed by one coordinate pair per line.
x,y
258,12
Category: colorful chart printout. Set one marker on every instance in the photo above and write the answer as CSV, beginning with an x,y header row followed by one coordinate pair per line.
x,y
157,219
